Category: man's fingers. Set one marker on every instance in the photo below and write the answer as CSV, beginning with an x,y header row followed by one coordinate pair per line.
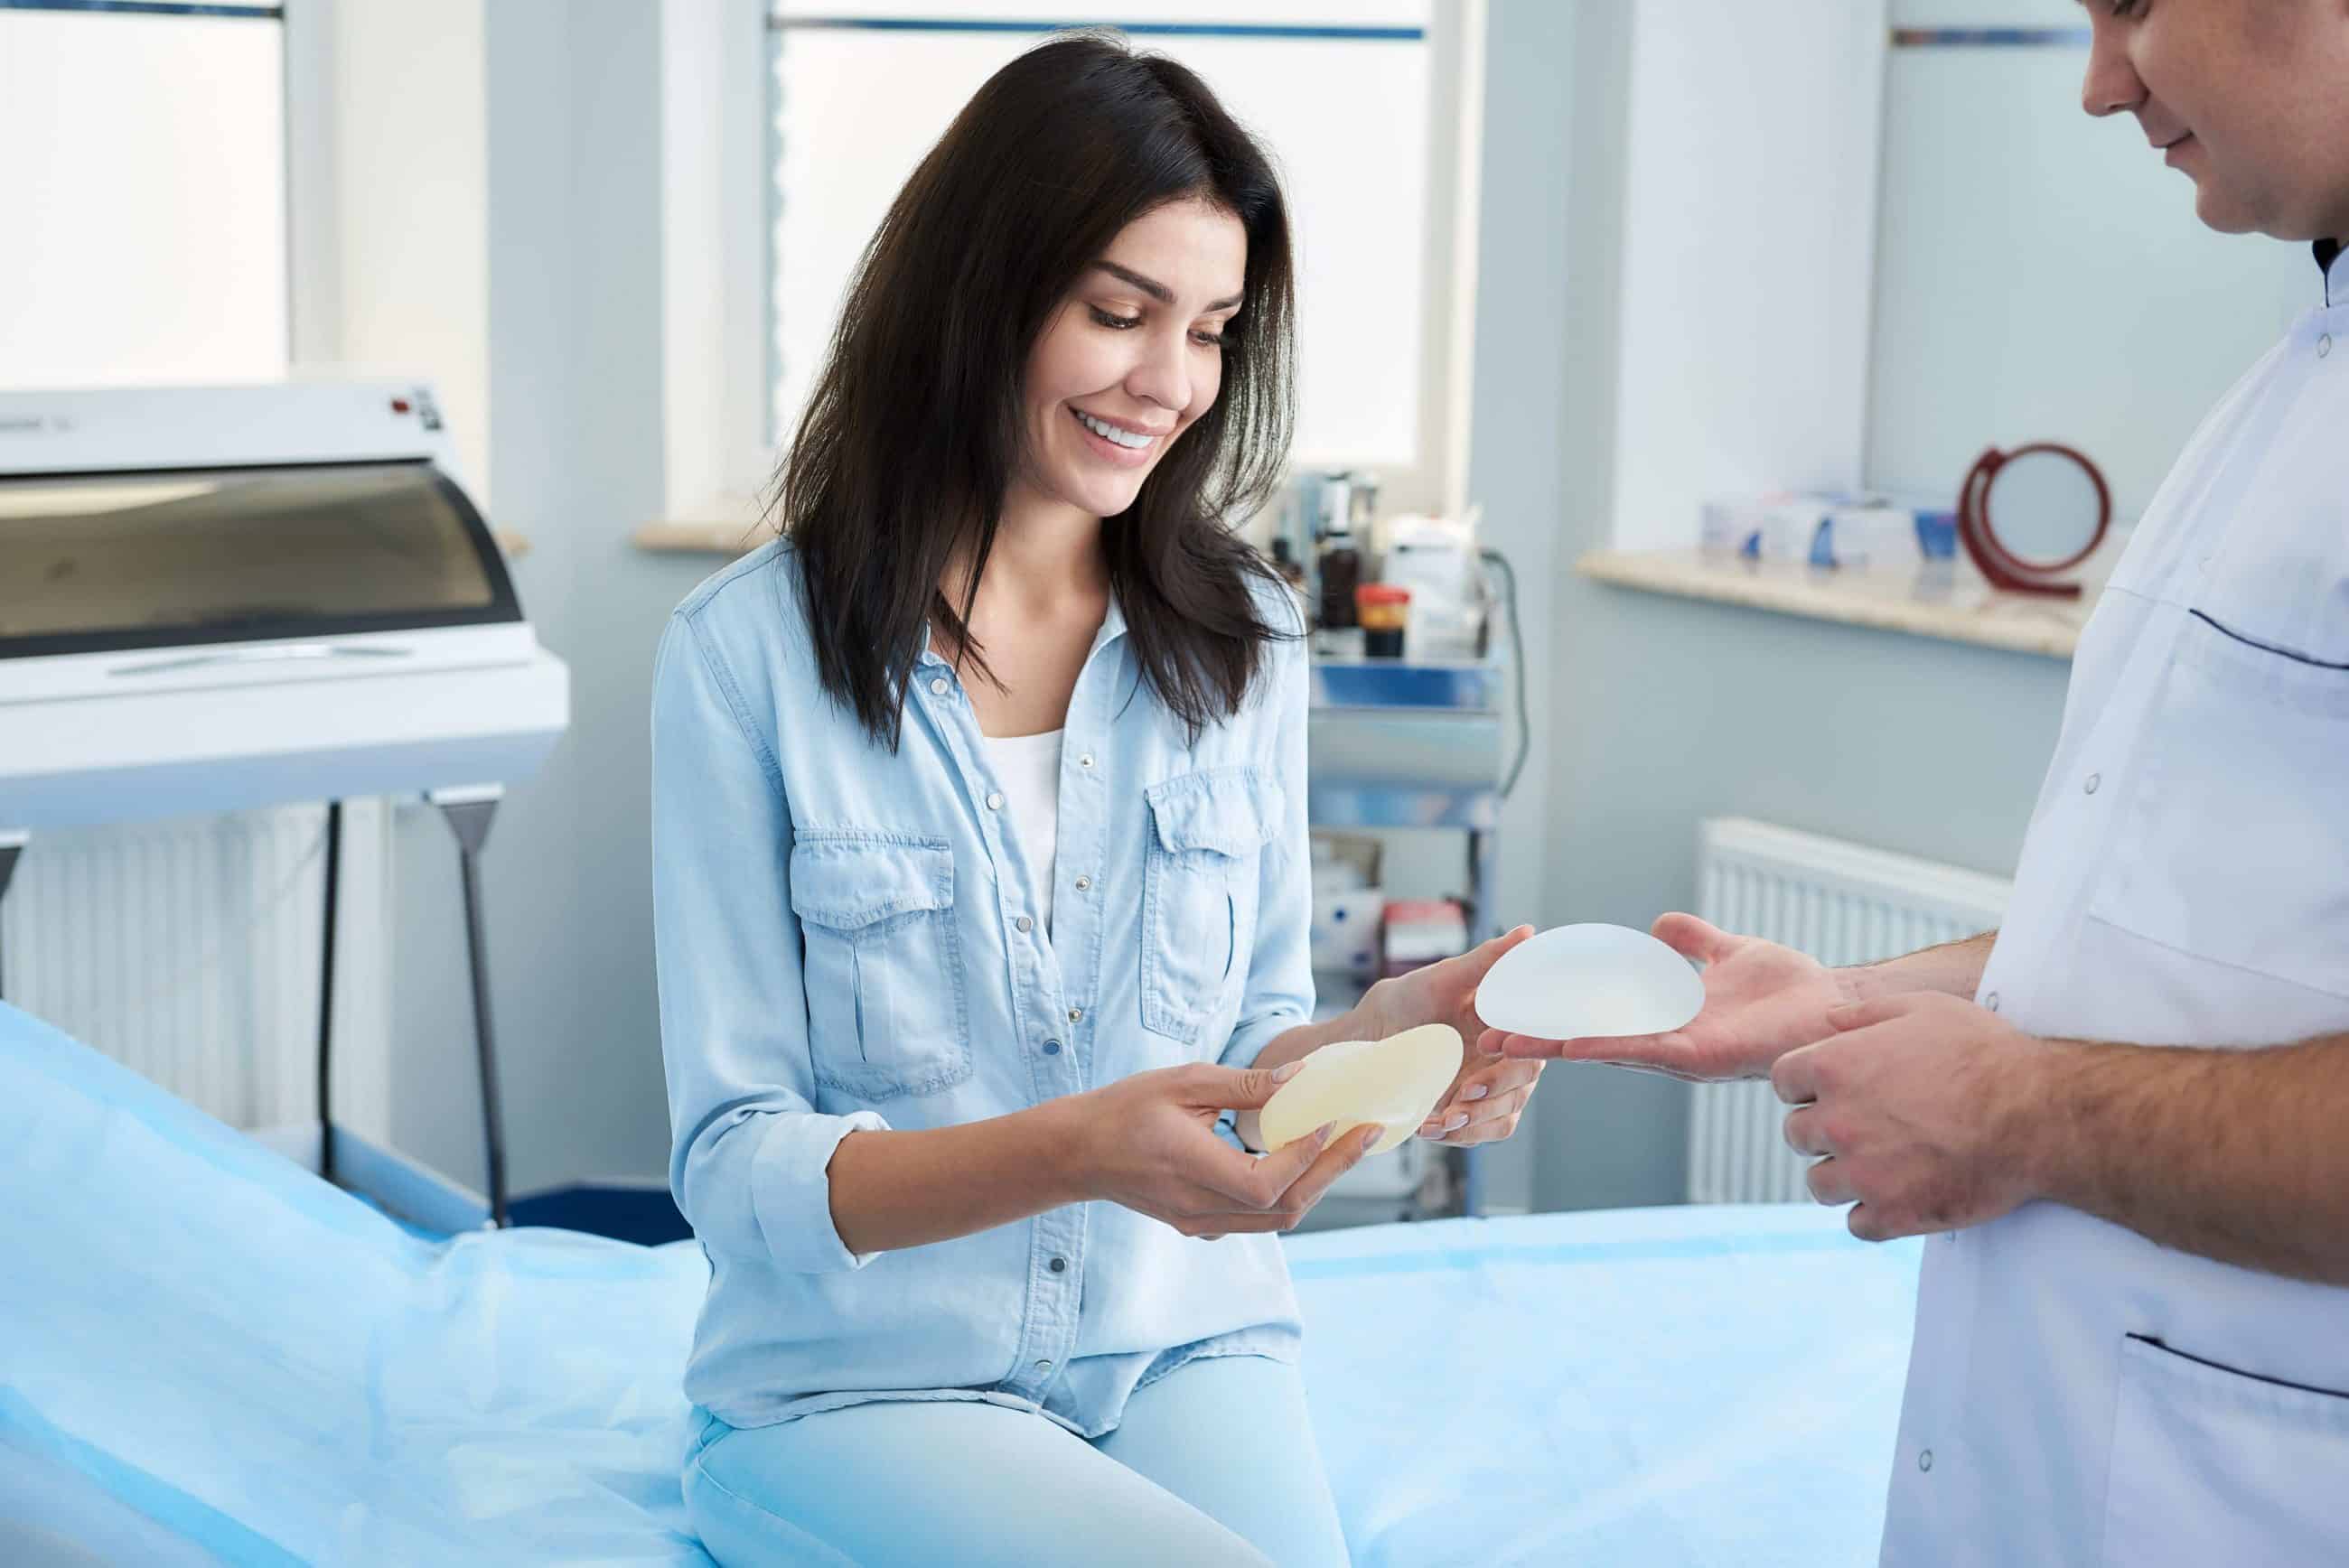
x,y
1829,1183
1690,937
1845,1016
1804,1134
1796,1077
1660,1053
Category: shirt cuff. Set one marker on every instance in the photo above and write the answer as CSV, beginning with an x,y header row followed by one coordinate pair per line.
x,y
1249,1041
790,1190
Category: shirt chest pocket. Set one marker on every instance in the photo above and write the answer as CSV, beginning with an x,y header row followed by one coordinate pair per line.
x,y
1199,895
887,1014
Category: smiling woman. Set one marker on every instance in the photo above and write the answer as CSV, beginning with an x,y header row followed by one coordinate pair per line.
x,y
1116,336
982,889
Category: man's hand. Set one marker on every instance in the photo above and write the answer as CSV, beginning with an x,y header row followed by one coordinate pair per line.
x,y
1761,1000
1923,1107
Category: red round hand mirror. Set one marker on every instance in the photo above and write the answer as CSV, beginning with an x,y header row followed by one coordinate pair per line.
x,y
2030,515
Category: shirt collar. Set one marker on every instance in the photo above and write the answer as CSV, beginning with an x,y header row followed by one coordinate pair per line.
x,y
2337,272
1112,625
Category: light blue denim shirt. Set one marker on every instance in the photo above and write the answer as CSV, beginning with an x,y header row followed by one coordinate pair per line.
x,y
847,940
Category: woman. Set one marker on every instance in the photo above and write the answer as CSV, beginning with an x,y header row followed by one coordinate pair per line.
x,y
981,884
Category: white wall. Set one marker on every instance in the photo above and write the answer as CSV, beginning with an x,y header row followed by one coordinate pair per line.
x,y
1749,136
2042,275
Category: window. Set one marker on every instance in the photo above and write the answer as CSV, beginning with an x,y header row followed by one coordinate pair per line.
x,y
1361,101
145,189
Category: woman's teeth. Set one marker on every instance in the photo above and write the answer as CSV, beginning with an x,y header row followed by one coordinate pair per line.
x,y
1111,433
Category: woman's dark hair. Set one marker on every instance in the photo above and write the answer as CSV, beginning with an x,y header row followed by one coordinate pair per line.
x,y
914,430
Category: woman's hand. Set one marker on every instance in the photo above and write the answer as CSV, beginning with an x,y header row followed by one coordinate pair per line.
x,y
1761,1001
1149,1142
1491,1092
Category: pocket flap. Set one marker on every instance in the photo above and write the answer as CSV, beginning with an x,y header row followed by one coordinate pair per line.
x,y
849,883
1233,811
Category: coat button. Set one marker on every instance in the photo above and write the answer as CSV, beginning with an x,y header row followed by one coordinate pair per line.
x,y
1076,1015
2094,779
1043,1367
1052,1047
2324,346
1059,1265
1025,925
1925,1459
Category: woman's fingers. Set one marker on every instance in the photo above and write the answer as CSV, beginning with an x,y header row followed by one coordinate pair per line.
x,y
1488,1121
1342,1155
1479,1086
1283,1200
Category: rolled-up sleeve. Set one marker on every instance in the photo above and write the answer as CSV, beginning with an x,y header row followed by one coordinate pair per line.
x,y
1280,993
749,1155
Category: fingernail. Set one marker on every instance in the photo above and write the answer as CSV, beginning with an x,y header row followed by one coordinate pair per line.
x,y
1370,1138
1288,1070
1478,1092
1457,1123
1322,1137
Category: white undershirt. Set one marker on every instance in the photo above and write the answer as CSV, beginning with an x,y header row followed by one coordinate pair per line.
x,y
1028,769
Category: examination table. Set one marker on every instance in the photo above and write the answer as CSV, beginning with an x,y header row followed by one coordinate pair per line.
x,y
207,1354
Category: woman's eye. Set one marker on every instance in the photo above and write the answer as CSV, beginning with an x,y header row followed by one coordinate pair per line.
x,y
1208,339
1115,322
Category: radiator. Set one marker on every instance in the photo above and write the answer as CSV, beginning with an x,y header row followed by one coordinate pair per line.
x,y
189,950
1841,904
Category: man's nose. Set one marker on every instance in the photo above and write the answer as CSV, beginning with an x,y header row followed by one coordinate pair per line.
x,y
2111,84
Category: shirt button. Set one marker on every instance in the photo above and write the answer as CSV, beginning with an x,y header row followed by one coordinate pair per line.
x,y
1925,1459
939,687
1025,925
2094,779
1991,1001
1043,1367
1076,1015
2324,346
1086,760
1052,1047
994,801
1059,1265
1084,884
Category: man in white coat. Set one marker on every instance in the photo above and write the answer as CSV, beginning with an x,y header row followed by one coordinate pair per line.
x,y
2123,1117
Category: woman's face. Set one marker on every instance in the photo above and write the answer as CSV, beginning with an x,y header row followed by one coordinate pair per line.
x,y
1133,355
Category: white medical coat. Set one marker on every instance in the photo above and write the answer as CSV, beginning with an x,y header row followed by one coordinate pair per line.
x,y
2078,1393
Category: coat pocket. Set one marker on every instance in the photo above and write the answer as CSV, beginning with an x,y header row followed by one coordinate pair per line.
x,y
2215,1465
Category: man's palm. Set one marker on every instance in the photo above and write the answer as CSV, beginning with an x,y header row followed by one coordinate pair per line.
x,y
1761,1001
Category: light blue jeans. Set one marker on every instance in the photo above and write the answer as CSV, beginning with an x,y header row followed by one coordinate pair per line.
x,y
1215,1463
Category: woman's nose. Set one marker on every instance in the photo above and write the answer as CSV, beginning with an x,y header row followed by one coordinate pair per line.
x,y
1164,375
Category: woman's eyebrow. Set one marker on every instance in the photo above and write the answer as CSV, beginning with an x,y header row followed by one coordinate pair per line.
x,y
1155,289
